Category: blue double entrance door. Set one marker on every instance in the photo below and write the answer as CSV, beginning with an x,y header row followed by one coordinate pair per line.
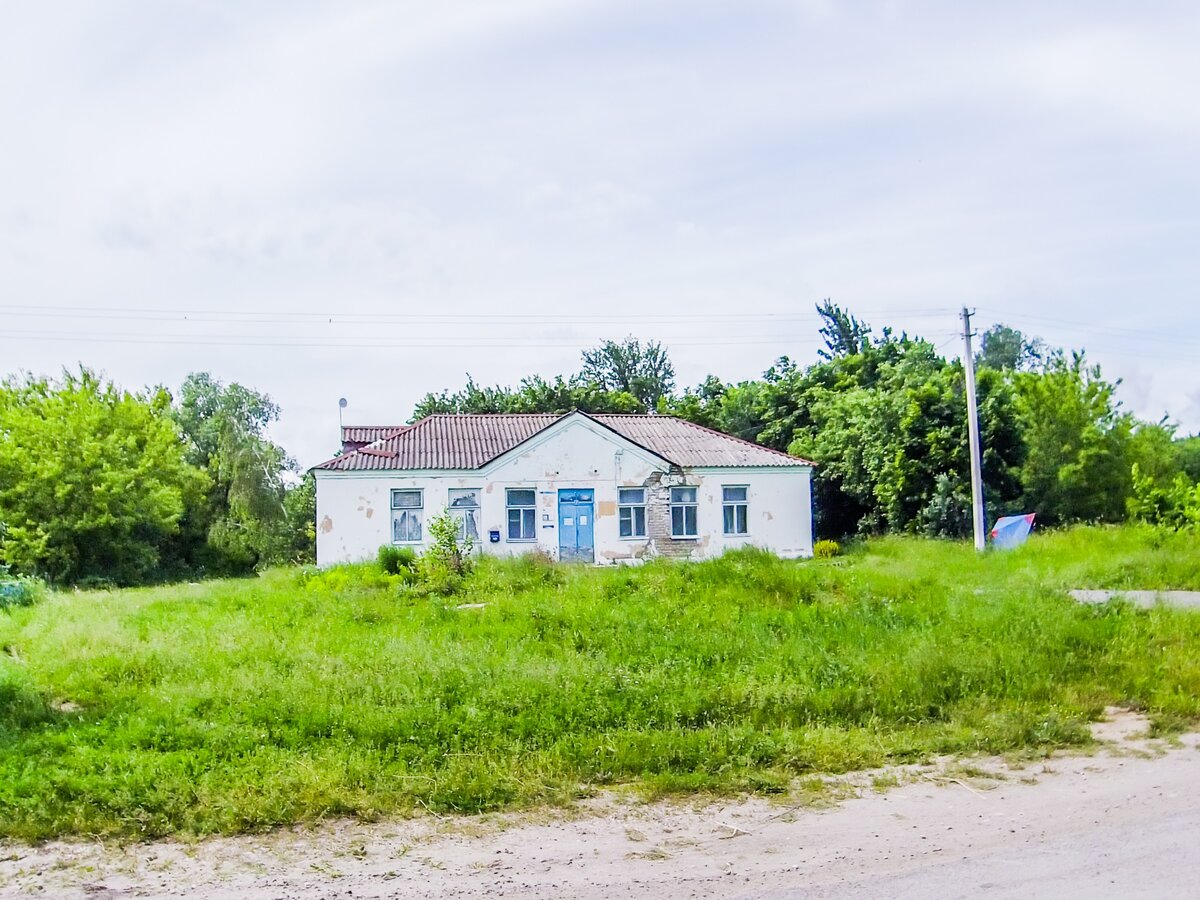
x,y
576,525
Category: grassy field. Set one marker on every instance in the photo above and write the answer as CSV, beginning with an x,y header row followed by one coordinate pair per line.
x,y
239,705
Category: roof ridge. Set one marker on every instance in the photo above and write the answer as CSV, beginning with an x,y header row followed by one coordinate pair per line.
x,y
645,415
530,415
487,416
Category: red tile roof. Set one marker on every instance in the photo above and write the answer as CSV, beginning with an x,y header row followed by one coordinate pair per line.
x,y
470,441
690,445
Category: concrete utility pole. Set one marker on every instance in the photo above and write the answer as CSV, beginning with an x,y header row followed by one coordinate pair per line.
x,y
973,431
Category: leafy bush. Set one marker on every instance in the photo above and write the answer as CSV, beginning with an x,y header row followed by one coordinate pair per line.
x,y
948,512
448,560
827,549
393,559
352,578
110,485
1175,505
18,591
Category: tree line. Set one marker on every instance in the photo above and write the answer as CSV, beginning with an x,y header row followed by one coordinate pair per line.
x,y
104,486
884,416
101,485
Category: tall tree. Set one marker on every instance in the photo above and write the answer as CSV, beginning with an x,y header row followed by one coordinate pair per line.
x,y
621,377
1007,349
534,395
888,428
844,334
300,514
93,480
1187,455
1078,438
244,522
641,370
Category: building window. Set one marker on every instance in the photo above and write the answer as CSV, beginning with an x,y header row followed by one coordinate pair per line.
x,y
733,509
683,512
464,506
522,514
407,514
631,512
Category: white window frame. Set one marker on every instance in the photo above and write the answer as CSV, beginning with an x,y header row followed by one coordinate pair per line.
x,y
416,513
631,508
460,512
526,509
684,506
743,504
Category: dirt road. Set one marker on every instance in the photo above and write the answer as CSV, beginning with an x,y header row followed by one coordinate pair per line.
x,y
1122,823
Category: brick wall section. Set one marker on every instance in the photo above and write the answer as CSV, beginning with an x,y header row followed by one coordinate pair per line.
x,y
658,516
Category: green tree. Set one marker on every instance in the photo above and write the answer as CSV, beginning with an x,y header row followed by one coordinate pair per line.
x,y
300,515
93,480
735,409
1155,451
844,335
1007,349
534,395
888,427
243,522
630,367
1174,505
1187,455
1078,439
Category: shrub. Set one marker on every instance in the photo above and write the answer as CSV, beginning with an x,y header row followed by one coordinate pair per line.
x,y
393,560
18,591
827,549
352,578
447,548
448,560
1175,505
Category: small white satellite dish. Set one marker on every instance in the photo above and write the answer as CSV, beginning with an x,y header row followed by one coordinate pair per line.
x,y
342,403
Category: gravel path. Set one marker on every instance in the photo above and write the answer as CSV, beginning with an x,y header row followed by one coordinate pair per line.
x,y
1121,823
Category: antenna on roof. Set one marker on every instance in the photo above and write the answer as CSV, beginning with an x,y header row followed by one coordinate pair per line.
x,y
342,404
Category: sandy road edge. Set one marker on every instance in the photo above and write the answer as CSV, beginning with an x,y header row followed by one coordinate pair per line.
x,y
885,823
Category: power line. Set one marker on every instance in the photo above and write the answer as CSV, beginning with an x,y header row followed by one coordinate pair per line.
x,y
340,317
316,323
368,343
1113,331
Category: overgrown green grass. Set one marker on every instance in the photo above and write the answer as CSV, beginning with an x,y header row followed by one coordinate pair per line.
x,y
240,705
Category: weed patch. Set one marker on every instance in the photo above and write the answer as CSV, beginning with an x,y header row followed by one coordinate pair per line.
x,y
246,704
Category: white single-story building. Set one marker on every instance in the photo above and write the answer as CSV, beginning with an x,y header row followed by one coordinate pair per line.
x,y
581,487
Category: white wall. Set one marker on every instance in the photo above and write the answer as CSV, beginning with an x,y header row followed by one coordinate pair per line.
x,y
779,509
354,508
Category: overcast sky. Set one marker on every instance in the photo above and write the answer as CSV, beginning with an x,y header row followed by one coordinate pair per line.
x,y
370,200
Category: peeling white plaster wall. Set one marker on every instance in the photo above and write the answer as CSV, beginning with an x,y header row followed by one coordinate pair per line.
x,y
354,516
